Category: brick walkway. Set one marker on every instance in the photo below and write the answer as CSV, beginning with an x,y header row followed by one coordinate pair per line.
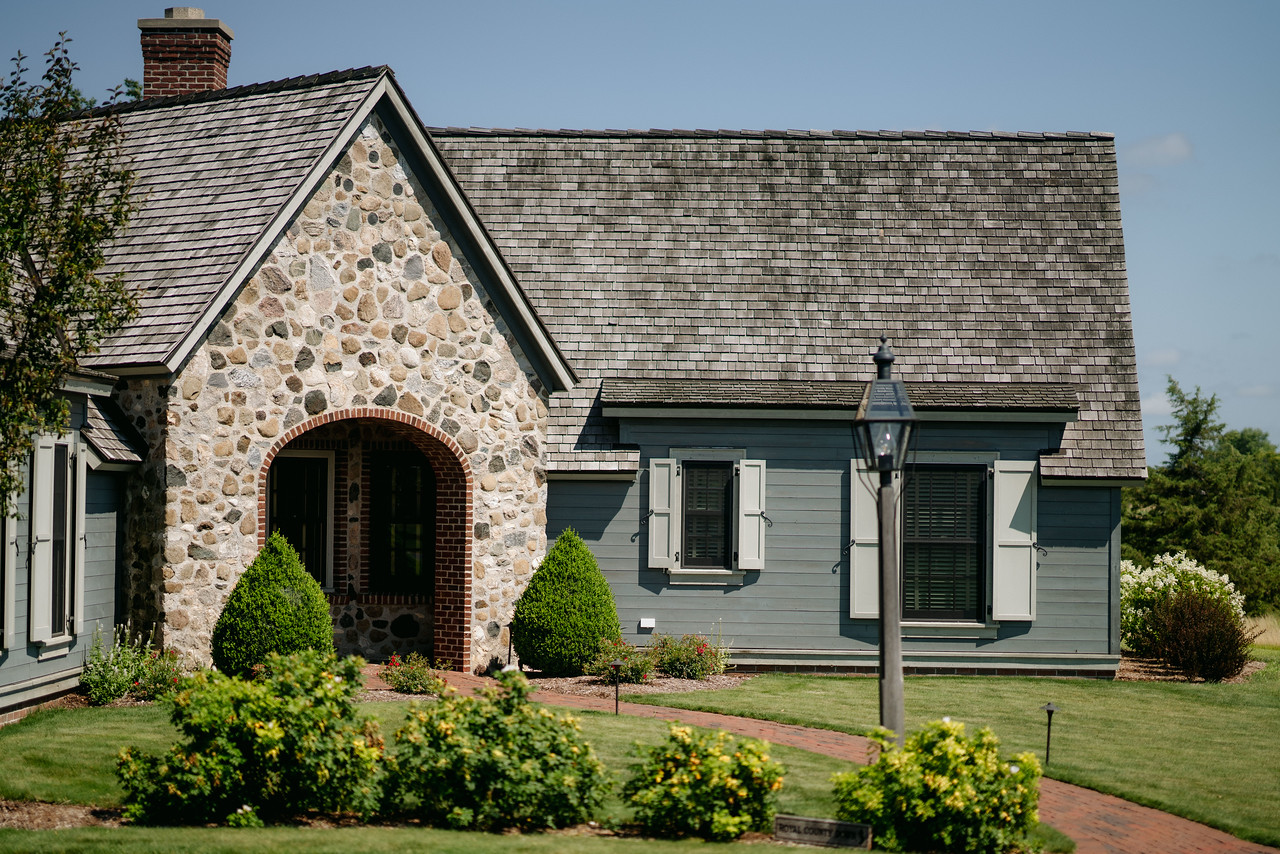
x,y
1100,824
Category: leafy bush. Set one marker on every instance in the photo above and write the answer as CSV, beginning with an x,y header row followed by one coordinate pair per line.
x,y
942,791
275,607
637,662
706,785
1142,588
1201,635
492,761
132,667
286,743
414,675
691,657
565,611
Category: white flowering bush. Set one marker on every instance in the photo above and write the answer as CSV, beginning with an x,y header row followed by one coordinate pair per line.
x,y
1142,589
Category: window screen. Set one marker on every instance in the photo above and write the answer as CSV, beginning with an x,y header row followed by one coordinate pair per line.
x,y
943,518
708,526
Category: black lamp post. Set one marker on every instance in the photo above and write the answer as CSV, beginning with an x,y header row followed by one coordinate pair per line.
x,y
884,424
616,664
1049,708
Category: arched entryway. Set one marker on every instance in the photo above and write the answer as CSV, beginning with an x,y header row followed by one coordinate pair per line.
x,y
378,504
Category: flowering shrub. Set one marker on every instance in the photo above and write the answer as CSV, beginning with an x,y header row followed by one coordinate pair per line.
x,y
287,742
132,667
942,791
492,761
1142,588
414,674
704,785
637,662
690,657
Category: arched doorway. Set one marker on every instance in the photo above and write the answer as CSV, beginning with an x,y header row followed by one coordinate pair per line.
x,y
380,510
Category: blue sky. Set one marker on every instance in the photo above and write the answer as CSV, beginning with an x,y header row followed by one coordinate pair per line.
x,y
1191,91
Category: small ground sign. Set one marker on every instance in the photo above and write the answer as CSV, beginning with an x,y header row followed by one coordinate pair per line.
x,y
821,831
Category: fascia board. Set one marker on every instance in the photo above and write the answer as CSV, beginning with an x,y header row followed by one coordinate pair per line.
x,y
848,414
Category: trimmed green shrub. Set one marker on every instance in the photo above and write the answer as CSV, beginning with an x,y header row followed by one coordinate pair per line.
x,y
942,791
690,657
565,611
133,667
706,785
275,607
637,662
288,742
492,761
414,675
1201,635
1141,588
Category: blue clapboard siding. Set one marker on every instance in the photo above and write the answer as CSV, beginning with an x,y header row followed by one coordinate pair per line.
x,y
800,601
24,677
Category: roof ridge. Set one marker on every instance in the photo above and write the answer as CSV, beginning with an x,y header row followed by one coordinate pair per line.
x,y
300,82
662,133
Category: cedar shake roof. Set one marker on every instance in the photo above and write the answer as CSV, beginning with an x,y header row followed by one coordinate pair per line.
x,y
993,262
109,431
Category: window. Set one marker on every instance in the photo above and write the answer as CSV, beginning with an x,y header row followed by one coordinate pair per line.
x,y
56,521
403,524
300,507
966,538
706,519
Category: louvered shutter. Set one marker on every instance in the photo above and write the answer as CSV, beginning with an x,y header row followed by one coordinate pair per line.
x,y
664,514
1013,594
751,515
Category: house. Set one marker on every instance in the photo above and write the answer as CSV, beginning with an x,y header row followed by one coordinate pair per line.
x,y
421,352
720,294
60,555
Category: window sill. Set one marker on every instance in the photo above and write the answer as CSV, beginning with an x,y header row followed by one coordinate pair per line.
x,y
950,630
724,577
54,648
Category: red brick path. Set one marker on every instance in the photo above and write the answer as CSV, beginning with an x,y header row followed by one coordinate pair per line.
x,y
1100,824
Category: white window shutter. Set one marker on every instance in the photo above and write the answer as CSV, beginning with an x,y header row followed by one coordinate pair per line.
x,y
80,544
40,512
664,514
751,515
864,550
1013,589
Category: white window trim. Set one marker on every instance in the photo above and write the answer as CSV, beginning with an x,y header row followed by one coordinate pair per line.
x,y
864,602
667,527
330,456
40,566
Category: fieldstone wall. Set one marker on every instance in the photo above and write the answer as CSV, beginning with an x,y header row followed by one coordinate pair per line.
x,y
363,304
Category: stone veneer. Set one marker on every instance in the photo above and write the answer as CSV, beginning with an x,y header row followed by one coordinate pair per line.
x,y
362,315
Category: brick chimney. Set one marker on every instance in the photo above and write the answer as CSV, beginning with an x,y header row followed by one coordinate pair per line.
x,y
184,52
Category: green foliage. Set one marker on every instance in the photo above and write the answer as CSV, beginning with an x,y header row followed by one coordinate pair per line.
x,y
942,791
275,607
491,762
690,657
132,667
1217,497
288,742
565,611
1144,588
1201,635
414,675
66,196
637,662
707,785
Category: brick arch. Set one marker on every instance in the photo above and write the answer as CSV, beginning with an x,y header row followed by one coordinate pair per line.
x,y
454,523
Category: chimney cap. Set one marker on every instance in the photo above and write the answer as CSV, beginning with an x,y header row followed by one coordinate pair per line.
x,y
185,18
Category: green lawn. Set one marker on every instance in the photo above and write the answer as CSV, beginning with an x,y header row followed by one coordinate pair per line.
x,y
1210,753
69,756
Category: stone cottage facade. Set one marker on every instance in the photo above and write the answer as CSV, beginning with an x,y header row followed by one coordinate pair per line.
x,y
361,373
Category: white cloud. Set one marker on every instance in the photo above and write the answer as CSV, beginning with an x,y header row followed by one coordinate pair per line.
x,y
1156,405
1168,150
1163,358
1260,390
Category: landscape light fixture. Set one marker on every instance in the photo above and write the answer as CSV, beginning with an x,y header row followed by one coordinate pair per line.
x,y
884,425
1049,709
616,664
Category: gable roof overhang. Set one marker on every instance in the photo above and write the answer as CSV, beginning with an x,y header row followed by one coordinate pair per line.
x,y
371,91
